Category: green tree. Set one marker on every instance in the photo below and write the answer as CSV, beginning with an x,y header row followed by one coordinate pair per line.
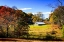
x,y
29,18
37,17
22,27
46,21
39,14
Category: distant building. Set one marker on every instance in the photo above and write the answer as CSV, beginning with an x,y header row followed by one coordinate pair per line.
x,y
39,23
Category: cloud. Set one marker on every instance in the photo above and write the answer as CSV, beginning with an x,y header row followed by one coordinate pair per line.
x,y
47,12
44,13
25,8
34,13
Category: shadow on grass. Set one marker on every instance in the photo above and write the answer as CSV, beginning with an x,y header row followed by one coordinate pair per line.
x,y
48,38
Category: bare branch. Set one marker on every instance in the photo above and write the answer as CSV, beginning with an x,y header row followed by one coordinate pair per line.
x,y
60,1
50,5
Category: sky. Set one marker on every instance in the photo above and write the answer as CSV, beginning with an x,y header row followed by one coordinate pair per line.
x,y
33,6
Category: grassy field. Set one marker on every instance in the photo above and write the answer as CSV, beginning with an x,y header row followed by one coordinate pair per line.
x,y
36,31
39,29
44,29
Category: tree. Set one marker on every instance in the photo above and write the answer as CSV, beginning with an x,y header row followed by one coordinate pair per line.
x,y
22,25
17,18
5,14
14,7
37,17
46,21
39,14
60,2
58,15
29,18
51,18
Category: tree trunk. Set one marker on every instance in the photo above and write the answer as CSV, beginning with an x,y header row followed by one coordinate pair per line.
x,y
7,30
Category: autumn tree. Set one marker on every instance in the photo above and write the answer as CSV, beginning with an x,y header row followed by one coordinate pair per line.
x,y
58,15
17,18
7,14
58,12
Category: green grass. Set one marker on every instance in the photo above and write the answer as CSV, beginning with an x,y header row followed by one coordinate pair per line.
x,y
37,26
43,30
39,30
63,30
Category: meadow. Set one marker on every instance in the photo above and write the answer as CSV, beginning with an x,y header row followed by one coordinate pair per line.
x,y
40,31
44,30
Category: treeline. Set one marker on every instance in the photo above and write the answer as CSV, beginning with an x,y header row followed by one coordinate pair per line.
x,y
14,21
57,16
10,17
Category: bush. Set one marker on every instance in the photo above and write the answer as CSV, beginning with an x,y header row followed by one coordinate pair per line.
x,y
49,37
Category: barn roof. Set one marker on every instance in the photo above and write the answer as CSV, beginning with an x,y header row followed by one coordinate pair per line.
x,y
39,22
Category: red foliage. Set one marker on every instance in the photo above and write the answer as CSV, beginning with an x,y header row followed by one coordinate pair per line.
x,y
6,10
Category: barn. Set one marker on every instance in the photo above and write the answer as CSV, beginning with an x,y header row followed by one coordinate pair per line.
x,y
39,23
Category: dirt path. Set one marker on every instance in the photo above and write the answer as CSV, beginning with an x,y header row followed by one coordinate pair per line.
x,y
17,40
23,40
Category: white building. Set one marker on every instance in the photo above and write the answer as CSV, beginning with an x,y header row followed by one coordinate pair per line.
x,y
39,23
